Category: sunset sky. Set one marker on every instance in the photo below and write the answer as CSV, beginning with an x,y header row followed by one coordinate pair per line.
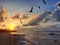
x,y
25,5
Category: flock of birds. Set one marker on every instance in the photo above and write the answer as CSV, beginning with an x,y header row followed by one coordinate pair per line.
x,y
44,2
31,10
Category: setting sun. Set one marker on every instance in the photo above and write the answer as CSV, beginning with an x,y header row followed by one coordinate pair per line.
x,y
11,26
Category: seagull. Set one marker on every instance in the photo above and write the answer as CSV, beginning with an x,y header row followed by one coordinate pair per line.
x,y
44,2
39,7
31,10
58,5
49,12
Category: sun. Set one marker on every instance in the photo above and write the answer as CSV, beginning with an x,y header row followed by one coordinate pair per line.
x,y
11,26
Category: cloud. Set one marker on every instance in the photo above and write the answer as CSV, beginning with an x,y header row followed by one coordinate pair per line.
x,y
15,15
37,18
1,14
24,20
56,15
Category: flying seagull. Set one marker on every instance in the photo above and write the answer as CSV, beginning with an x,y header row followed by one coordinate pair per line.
x,y
49,12
58,5
44,2
39,7
31,10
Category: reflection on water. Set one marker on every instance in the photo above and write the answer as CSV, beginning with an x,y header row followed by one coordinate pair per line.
x,y
27,37
41,38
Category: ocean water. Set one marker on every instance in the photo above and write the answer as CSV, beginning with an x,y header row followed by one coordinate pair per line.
x,y
41,38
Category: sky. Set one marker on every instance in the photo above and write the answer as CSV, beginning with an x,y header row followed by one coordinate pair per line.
x,y
25,5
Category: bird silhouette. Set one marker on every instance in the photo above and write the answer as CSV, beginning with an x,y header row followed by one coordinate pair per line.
x,y
51,33
58,5
31,10
39,7
44,2
49,12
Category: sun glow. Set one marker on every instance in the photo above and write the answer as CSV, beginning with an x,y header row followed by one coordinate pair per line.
x,y
11,26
